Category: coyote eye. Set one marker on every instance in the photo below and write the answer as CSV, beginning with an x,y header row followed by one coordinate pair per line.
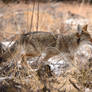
x,y
78,35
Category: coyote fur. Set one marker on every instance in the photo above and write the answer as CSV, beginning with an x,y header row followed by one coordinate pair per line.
x,y
35,43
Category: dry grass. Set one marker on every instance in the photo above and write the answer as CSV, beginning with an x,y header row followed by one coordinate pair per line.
x,y
50,16
24,78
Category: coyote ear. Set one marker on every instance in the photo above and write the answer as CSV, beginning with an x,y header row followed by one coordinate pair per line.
x,y
79,29
84,29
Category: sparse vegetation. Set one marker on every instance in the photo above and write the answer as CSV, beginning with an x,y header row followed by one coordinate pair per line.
x,y
20,74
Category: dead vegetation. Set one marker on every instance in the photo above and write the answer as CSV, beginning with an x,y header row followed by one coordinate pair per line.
x,y
18,76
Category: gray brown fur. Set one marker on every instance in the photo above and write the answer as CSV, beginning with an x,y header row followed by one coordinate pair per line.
x,y
36,43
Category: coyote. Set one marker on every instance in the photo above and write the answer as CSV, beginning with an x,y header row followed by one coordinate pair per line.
x,y
35,43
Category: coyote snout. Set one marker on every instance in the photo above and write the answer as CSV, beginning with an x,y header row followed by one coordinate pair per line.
x,y
35,43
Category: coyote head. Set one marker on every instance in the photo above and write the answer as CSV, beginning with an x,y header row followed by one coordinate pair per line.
x,y
83,34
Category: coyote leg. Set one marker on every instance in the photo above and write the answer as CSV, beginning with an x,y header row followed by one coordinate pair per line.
x,y
24,57
50,52
25,64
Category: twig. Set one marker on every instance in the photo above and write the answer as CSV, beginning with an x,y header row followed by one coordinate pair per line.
x,y
32,17
37,17
74,85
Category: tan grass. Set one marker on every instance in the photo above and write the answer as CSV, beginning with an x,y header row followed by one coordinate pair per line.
x,y
47,21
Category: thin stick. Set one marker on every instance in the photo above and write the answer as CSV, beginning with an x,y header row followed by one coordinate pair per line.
x,y
37,17
74,85
32,17
27,20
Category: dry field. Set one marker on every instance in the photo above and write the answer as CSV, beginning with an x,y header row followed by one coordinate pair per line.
x,y
16,18
19,77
